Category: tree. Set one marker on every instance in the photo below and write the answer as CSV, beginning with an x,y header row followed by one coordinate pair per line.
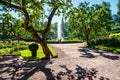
x,y
117,16
6,25
118,5
88,19
33,10
52,35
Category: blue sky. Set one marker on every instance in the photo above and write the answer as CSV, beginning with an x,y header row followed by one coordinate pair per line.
x,y
76,3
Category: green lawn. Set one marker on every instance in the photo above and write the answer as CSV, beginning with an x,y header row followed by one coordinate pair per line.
x,y
40,54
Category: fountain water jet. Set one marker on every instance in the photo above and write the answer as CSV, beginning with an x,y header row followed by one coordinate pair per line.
x,y
60,28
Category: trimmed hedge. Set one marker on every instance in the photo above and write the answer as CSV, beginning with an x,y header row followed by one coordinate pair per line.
x,y
65,41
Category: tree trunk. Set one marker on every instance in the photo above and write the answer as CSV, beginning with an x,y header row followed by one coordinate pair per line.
x,y
43,43
46,50
87,38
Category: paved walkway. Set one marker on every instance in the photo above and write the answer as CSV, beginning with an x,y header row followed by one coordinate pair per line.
x,y
77,63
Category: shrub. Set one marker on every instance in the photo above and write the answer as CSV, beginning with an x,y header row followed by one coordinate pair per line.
x,y
115,41
20,47
33,48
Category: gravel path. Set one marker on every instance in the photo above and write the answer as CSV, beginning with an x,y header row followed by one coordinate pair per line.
x,y
75,62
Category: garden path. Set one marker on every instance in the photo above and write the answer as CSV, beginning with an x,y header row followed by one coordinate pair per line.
x,y
80,63
75,62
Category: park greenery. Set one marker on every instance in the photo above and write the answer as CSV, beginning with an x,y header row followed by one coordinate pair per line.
x,y
91,23
13,48
36,20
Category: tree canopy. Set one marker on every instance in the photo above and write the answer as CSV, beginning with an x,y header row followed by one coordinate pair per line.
x,y
88,19
37,19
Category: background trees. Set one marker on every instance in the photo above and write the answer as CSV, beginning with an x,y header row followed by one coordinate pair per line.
x,y
90,20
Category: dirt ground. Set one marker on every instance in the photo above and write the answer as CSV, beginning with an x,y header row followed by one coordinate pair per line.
x,y
74,62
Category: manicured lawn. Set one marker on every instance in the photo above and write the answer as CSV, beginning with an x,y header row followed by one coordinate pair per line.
x,y
40,54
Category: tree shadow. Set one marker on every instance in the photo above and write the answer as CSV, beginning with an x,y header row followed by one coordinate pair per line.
x,y
87,52
7,58
22,70
79,74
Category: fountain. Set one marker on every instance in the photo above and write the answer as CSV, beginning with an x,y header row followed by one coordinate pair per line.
x,y
59,29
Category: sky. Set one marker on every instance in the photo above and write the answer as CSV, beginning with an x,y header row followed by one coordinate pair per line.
x,y
113,7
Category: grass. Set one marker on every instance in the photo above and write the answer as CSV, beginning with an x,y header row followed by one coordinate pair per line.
x,y
40,54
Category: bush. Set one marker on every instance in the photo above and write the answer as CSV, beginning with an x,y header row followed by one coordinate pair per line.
x,y
20,47
33,48
115,41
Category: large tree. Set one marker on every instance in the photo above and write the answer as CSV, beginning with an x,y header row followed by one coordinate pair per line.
x,y
88,19
34,12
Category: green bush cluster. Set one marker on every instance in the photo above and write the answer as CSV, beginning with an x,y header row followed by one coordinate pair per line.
x,y
11,47
112,44
113,41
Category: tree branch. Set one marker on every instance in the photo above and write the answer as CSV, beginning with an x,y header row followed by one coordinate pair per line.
x,y
20,38
50,20
23,10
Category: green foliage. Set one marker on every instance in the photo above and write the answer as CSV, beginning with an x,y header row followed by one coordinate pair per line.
x,y
39,12
22,49
111,44
52,35
33,48
90,21
116,17
109,48
115,41
8,47
118,7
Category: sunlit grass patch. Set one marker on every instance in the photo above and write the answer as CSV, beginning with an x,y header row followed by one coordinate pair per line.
x,y
40,54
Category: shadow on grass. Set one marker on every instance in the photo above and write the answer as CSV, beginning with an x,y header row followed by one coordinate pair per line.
x,y
21,70
88,52
79,74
